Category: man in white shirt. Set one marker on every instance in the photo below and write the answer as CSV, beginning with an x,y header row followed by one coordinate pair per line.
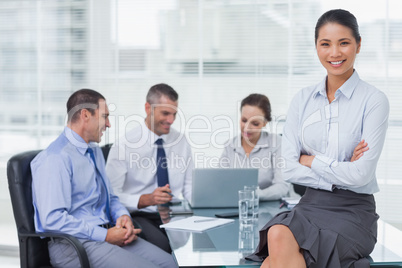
x,y
144,174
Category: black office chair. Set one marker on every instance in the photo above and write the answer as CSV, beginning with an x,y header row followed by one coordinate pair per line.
x,y
105,150
33,250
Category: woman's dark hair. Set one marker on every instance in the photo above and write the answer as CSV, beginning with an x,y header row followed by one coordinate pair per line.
x,y
83,99
259,100
339,16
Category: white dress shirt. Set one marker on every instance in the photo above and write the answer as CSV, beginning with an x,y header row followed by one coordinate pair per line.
x,y
131,165
266,156
331,131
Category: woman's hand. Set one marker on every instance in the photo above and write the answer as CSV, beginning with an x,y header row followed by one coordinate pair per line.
x,y
306,160
359,150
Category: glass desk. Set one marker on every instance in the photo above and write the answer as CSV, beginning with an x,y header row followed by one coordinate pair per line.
x,y
219,247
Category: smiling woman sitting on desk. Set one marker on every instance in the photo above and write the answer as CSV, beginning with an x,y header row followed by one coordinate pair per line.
x,y
328,127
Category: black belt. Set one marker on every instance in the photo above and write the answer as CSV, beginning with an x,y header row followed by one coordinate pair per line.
x,y
106,225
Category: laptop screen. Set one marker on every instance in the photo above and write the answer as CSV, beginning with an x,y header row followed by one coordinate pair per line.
x,y
218,187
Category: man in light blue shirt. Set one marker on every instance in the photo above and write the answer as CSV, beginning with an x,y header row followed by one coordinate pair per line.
x,y
72,195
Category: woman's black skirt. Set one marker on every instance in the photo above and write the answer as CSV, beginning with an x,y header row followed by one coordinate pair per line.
x,y
334,229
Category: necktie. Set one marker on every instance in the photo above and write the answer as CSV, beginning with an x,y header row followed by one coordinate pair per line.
x,y
161,164
99,175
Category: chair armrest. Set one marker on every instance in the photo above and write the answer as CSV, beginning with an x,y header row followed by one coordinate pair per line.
x,y
82,254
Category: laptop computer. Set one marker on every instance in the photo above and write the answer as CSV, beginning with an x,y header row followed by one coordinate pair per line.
x,y
218,187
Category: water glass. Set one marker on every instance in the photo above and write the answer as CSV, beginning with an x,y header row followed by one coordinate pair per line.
x,y
256,202
246,206
246,240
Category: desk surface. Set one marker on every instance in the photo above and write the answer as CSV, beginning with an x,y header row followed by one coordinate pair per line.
x,y
220,246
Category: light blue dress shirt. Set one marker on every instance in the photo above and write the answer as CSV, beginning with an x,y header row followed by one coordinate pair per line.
x,y
66,195
331,131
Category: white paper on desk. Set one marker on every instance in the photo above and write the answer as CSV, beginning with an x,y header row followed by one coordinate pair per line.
x,y
191,224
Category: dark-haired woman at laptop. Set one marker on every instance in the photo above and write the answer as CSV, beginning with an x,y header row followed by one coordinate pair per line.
x,y
256,148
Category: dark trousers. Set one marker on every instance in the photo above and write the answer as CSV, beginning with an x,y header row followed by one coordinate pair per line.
x,y
151,232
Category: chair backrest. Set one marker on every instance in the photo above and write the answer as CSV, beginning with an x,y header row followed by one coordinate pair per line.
x,y
33,251
105,150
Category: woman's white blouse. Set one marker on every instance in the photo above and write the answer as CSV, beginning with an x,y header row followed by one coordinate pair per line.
x,y
331,131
